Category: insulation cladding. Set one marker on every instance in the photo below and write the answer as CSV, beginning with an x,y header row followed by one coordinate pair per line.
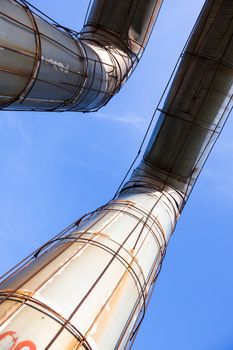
x,y
88,288
198,102
44,67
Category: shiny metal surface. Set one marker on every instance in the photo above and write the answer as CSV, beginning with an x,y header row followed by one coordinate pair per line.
x,y
90,285
198,102
46,68
90,288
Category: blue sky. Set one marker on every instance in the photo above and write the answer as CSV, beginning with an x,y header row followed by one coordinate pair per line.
x,y
56,167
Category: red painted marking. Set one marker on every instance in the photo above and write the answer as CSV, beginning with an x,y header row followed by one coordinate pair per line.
x,y
6,334
9,334
18,346
25,344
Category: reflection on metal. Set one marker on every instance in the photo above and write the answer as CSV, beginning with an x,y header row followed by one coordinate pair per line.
x,y
46,68
198,103
90,285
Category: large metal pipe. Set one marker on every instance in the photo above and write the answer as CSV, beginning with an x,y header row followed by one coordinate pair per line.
x,y
198,102
46,68
89,287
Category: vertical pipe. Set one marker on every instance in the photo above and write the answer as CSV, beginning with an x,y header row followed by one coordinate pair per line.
x,y
99,307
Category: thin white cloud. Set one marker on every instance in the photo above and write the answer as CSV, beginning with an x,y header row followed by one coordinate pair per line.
x,y
131,119
13,121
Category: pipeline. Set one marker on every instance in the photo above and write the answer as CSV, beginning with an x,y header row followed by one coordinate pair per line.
x,y
47,68
89,287
198,102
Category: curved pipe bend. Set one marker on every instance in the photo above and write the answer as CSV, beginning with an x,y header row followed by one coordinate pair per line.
x,y
44,68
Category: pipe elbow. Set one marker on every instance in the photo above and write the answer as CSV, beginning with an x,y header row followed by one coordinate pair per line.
x,y
47,69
